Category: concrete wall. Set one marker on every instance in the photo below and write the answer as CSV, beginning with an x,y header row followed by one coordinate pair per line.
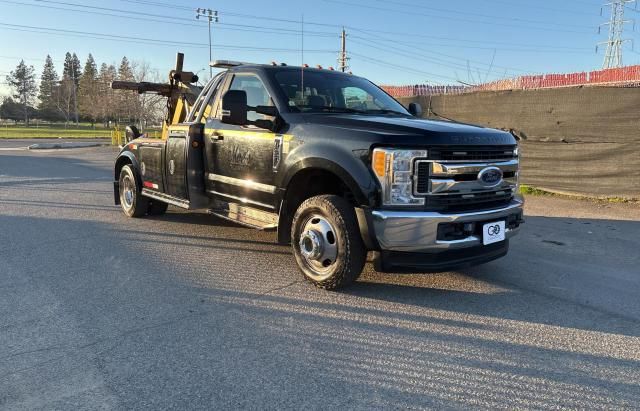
x,y
576,140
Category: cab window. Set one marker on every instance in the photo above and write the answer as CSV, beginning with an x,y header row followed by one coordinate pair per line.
x,y
201,110
257,94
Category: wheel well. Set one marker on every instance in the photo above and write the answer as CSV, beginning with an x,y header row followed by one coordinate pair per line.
x,y
121,162
306,184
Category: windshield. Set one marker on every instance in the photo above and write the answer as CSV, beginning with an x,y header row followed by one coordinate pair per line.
x,y
335,92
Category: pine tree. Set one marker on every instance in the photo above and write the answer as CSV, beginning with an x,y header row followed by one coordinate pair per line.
x,y
126,100
72,68
48,84
88,92
125,71
23,81
106,103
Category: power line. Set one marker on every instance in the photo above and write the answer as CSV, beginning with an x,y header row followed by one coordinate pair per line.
x,y
126,14
415,13
527,49
538,7
129,39
461,12
420,57
402,68
404,35
413,48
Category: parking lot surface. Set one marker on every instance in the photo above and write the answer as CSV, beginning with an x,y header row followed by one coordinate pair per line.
x,y
187,311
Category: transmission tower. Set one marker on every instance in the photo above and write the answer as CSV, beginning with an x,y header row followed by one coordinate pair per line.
x,y
613,56
343,60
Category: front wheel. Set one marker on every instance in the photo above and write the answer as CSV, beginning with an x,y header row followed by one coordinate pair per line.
x,y
133,203
326,242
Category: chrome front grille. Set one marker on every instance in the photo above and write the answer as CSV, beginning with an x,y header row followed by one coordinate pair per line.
x,y
456,185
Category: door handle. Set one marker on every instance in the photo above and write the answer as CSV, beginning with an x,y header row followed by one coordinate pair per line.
x,y
216,137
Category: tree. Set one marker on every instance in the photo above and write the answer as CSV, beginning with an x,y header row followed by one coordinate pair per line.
x,y
23,81
149,107
64,98
126,100
11,110
88,92
71,72
72,68
106,104
48,83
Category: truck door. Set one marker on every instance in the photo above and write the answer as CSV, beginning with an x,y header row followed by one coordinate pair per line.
x,y
242,168
176,162
185,157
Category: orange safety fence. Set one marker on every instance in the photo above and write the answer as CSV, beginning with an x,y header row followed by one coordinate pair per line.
x,y
623,76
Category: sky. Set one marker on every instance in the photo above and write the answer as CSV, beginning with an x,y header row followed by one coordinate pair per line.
x,y
388,41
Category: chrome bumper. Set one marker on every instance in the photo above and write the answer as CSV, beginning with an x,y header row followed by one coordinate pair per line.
x,y
417,232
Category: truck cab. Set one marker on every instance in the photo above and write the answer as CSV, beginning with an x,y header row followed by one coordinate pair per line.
x,y
337,167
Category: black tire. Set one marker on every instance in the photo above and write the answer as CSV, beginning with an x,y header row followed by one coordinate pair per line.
x,y
133,203
157,207
335,253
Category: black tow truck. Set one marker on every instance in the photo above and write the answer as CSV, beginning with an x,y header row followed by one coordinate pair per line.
x,y
335,165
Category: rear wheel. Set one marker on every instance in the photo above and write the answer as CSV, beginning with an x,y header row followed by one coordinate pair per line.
x,y
133,203
326,242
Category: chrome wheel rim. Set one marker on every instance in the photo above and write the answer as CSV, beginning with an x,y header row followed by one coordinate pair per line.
x,y
318,244
127,192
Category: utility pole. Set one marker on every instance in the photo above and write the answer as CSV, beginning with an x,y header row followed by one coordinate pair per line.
x,y
212,17
342,57
613,56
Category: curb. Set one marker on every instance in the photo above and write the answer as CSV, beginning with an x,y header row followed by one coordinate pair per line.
x,y
49,146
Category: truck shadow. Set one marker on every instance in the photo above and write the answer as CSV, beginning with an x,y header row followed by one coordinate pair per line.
x,y
562,268
212,305
588,263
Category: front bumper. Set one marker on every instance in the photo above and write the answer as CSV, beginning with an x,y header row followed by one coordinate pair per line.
x,y
413,239
415,231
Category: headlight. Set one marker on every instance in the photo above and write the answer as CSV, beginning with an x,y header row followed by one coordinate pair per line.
x,y
393,168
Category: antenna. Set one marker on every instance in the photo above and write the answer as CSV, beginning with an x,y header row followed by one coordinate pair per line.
x,y
613,56
302,56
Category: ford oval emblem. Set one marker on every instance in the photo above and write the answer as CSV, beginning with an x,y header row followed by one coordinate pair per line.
x,y
490,176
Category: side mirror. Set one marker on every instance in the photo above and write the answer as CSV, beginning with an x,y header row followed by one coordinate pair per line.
x,y
267,110
234,107
415,109
131,133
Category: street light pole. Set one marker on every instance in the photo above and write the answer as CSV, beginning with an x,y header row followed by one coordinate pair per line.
x,y
212,17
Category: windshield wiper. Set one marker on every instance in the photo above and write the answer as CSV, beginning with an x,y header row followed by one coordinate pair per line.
x,y
385,111
333,109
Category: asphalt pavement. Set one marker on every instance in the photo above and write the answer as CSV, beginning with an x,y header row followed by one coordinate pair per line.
x,y
186,311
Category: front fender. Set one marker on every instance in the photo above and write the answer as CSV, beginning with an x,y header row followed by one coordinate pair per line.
x,y
125,157
335,159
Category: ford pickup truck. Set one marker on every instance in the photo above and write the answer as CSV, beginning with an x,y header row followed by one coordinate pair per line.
x,y
339,168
